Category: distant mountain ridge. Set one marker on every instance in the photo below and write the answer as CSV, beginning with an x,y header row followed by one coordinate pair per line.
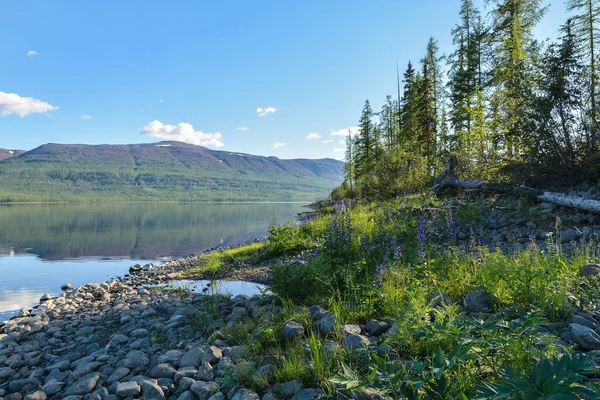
x,y
7,153
160,171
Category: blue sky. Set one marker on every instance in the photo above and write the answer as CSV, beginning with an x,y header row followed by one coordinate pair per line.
x,y
255,77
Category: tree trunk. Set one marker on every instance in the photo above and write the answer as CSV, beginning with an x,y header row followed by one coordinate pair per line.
x,y
447,178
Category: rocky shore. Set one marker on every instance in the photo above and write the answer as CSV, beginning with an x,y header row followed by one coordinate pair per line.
x,y
128,339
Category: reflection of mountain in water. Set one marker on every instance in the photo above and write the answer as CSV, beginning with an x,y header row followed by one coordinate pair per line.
x,y
134,230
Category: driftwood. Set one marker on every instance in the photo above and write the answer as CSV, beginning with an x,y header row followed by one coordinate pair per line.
x,y
447,178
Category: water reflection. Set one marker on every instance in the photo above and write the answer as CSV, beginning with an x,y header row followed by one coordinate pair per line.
x,y
12,301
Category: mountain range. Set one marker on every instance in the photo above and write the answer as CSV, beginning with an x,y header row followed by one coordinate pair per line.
x,y
160,171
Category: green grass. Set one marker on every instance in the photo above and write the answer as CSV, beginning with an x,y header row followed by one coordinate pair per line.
x,y
220,261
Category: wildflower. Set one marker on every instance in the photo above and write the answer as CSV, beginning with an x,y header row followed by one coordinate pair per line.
x,y
422,233
208,284
423,318
397,252
204,289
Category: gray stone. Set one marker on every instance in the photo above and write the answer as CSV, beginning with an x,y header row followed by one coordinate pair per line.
x,y
245,394
477,302
205,373
152,391
118,339
585,337
84,385
139,333
53,387
37,395
316,312
45,297
354,342
135,359
66,286
590,270
576,319
217,396
204,389
439,299
327,324
265,371
192,358
309,394
6,373
351,329
376,328
23,385
163,371
212,355
125,389
292,330
118,374
187,395
288,389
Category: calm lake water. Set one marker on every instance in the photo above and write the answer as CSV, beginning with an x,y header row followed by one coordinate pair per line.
x,y
43,246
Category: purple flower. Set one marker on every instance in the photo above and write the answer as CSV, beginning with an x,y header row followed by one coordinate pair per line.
x,y
397,252
204,289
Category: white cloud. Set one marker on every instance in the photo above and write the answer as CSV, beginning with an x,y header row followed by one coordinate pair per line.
x,y
32,53
338,150
351,130
86,117
242,128
182,132
162,101
12,103
264,111
342,142
277,145
313,136
327,141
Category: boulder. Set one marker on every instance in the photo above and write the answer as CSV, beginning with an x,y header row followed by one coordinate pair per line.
x,y
288,389
377,328
478,302
585,337
245,394
590,270
292,330
125,389
327,324
355,342
204,390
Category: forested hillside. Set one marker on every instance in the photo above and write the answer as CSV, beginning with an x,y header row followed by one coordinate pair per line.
x,y
508,105
161,171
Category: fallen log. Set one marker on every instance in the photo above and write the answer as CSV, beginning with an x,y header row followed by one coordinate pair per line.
x,y
447,178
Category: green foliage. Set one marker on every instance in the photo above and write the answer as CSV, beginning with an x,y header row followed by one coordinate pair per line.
x,y
553,378
285,240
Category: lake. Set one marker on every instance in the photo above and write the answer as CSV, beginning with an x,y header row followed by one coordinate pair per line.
x,y
43,246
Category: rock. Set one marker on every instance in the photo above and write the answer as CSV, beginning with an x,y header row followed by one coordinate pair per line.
x,y
118,339
204,389
152,391
118,374
135,269
477,302
316,312
125,389
354,342
288,389
23,385
45,297
163,371
585,337
439,299
245,394
135,359
187,395
206,372
53,387
309,394
212,355
377,328
590,270
65,287
37,395
351,329
217,396
327,324
6,373
292,330
576,319
192,358
84,385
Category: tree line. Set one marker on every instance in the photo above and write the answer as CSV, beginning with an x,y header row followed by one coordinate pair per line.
x,y
505,104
